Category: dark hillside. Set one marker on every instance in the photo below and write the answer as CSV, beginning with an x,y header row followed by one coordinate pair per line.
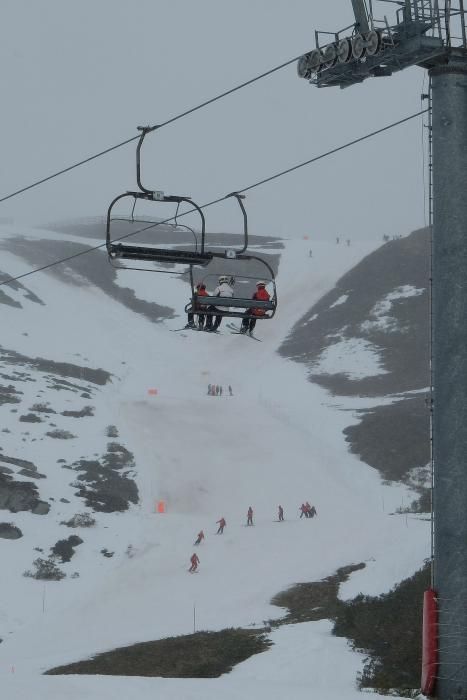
x,y
397,328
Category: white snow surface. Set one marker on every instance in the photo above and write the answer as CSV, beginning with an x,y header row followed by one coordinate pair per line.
x,y
355,357
341,300
277,440
380,320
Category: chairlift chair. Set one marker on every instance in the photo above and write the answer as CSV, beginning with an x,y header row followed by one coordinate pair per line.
x,y
117,248
236,306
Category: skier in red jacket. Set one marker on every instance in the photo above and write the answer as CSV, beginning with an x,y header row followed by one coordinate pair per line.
x,y
249,322
194,563
200,291
221,524
200,537
249,516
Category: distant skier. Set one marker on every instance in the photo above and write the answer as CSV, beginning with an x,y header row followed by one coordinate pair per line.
x,y
249,516
281,514
303,511
194,563
224,289
209,390
307,510
220,390
221,524
230,390
217,389
200,537
249,322
313,512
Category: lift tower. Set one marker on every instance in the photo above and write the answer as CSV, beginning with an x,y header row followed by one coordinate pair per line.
x,y
430,34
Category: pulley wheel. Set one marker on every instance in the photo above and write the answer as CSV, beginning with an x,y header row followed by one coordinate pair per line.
x,y
330,55
303,68
358,46
344,50
373,40
314,60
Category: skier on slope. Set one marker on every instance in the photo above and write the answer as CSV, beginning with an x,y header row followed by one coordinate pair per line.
x,y
200,291
194,559
200,537
224,289
249,322
281,514
249,516
303,511
221,524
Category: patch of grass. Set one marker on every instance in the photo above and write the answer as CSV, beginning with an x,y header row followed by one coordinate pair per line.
x,y
200,655
389,629
45,570
308,602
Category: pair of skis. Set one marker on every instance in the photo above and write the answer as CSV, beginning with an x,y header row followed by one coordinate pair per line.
x,y
189,328
235,330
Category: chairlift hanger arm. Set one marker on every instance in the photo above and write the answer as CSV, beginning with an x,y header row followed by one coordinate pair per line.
x,y
144,130
240,197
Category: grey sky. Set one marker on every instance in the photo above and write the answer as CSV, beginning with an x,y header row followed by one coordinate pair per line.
x,y
80,76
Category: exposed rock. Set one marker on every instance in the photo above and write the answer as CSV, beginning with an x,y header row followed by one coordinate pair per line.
x,y
64,549
9,394
102,485
60,434
24,463
30,418
42,408
31,474
9,531
41,508
80,520
61,369
86,411
6,470
17,495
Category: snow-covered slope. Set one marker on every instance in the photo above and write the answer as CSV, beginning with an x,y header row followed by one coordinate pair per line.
x,y
278,439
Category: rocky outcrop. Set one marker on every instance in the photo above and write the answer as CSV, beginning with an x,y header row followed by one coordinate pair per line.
x,y
10,532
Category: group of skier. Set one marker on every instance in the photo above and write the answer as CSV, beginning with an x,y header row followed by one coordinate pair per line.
x,y
306,509
217,390
208,320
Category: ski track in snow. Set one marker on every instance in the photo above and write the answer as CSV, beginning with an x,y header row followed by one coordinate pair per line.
x,y
277,440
